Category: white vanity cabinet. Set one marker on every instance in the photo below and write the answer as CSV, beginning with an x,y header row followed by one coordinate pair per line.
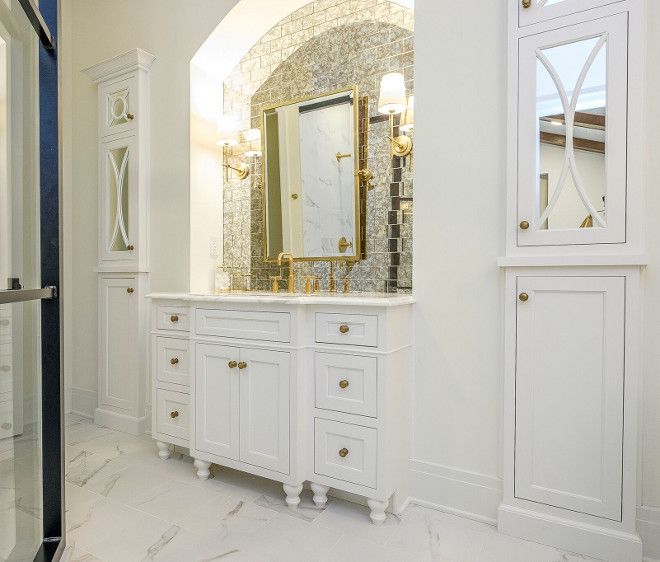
x,y
573,263
123,237
290,388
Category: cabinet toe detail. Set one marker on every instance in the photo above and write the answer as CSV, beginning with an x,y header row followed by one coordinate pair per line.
x,y
320,495
292,495
163,450
203,472
377,510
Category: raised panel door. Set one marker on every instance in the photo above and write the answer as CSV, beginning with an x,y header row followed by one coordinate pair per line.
x,y
569,393
118,106
265,396
217,400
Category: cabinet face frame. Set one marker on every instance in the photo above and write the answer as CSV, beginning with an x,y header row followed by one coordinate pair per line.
x,y
631,393
635,210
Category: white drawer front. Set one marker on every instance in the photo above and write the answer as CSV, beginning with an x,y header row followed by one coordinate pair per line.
x,y
173,318
347,383
346,452
348,329
173,413
244,324
173,363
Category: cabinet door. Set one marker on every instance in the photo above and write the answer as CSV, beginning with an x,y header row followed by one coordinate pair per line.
x,y
118,106
569,393
217,400
118,353
543,10
572,131
119,201
265,409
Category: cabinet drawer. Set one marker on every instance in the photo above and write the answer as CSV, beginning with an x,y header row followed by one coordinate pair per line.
x,y
172,361
173,413
173,318
346,452
244,324
347,383
348,329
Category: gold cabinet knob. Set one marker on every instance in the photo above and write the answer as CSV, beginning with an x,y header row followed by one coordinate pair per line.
x,y
174,318
343,453
130,247
524,297
174,361
344,329
130,116
233,364
242,365
524,225
294,196
526,4
130,290
343,384
174,414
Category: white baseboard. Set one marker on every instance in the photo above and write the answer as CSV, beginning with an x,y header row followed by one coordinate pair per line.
x,y
83,402
451,490
648,527
120,422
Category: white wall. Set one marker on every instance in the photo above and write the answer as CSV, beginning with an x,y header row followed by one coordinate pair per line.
x,y
173,30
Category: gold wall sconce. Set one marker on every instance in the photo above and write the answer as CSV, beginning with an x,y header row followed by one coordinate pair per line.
x,y
227,138
393,101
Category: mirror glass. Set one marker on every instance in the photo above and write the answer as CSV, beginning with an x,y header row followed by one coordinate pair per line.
x,y
310,178
571,108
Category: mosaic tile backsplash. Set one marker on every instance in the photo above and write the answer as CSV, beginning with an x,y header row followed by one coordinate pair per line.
x,y
326,45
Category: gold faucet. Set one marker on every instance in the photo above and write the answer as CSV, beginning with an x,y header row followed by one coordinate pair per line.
x,y
292,280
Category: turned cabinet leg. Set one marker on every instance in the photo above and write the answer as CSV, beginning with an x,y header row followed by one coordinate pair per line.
x,y
202,467
320,494
293,495
163,450
377,510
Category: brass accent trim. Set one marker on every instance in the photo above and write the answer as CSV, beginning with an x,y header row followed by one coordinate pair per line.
x,y
524,297
232,364
242,365
174,318
130,290
174,414
174,361
524,225
339,156
343,384
344,329
242,170
343,453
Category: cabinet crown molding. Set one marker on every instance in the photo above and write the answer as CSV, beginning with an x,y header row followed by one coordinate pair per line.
x,y
130,61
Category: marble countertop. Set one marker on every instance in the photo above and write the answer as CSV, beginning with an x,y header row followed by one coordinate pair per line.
x,y
335,299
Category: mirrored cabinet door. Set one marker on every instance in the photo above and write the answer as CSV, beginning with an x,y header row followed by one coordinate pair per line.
x,y
118,107
118,240
534,11
572,128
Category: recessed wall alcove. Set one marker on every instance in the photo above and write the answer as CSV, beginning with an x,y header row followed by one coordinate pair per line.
x,y
238,69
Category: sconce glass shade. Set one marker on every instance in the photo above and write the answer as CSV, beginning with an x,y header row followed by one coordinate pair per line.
x,y
392,100
227,134
253,136
408,122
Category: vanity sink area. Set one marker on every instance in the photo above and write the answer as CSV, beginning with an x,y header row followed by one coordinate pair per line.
x,y
292,387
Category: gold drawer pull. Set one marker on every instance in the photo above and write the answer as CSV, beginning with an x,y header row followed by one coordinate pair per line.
x,y
130,290
526,4
174,361
130,247
130,116
174,318
343,384
344,329
233,364
524,297
343,453
524,225
174,414
242,365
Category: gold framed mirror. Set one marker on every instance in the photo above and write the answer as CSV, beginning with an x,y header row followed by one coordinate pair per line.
x,y
312,177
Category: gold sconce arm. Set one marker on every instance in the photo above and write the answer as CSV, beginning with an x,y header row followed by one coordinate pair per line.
x,y
339,156
402,145
242,170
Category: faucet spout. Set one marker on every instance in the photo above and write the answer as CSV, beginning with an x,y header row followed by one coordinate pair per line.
x,y
292,281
